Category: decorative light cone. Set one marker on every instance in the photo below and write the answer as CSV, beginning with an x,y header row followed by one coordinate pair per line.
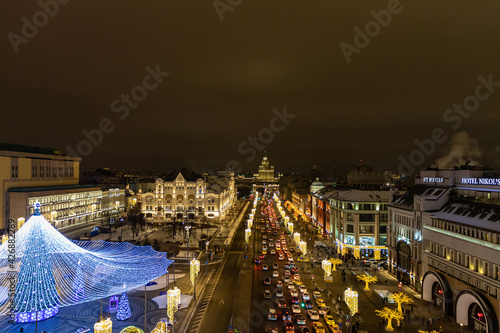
x,y
296,237
194,266
351,299
327,267
104,326
303,247
290,227
124,312
248,233
172,305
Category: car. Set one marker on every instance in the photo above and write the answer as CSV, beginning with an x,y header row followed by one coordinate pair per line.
x,y
369,262
289,327
271,315
276,274
272,251
320,303
313,315
285,313
264,236
316,294
297,282
295,308
302,288
264,242
287,272
265,267
267,281
302,259
300,320
294,270
267,294
294,293
290,286
279,284
281,257
294,300
308,304
83,329
286,279
324,310
305,329
257,260
305,296
264,250
281,304
270,239
279,292
262,256
329,320
318,327
275,266
273,330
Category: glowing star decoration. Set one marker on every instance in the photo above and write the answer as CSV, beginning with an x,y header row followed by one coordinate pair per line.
x,y
172,304
351,299
53,271
389,315
161,327
103,326
335,262
124,312
248,233
327,267
367,279
303,247
194,270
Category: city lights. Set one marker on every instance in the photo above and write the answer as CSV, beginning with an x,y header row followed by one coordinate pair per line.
x,y
103,326
351,299
327,267
248,233
303,247
172,304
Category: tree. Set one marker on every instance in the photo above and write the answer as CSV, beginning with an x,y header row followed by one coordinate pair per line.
x,y
367,279
123,308
401,298
335,262
389,315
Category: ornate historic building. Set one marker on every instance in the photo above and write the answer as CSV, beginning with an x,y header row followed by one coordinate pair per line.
x,y
184,194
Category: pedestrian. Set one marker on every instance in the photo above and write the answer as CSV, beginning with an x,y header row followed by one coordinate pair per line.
x,y
21,330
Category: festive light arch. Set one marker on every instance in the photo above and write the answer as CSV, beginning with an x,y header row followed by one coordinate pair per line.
x,y
51,271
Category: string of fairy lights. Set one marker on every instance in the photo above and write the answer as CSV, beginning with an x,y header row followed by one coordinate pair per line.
x,y
52,271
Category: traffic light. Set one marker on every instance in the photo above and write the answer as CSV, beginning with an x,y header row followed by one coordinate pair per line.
x,y
302,304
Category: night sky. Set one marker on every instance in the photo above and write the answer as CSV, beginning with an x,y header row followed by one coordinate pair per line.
x,y
226,78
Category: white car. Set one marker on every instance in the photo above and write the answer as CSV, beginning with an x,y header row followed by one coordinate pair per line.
x,y
294,293
276,274
291,286
272,314
305,296
316,294
264,241
273,252
295,308
302,288
313,315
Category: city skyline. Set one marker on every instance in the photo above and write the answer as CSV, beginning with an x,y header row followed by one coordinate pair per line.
x,y
358,82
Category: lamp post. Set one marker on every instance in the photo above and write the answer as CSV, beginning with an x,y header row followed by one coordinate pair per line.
x,y
206,259
461,327
188,227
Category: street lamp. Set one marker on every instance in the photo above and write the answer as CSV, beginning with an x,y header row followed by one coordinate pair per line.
x,y
194,270
188,227
461,327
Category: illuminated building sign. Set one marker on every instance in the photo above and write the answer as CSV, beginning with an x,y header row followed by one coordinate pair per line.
x,y
481,181
433,180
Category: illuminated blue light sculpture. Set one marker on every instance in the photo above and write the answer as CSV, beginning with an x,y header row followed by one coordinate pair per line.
x,y
52,271
123,308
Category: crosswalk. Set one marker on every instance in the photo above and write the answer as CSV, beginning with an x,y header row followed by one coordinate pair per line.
x,y
209,291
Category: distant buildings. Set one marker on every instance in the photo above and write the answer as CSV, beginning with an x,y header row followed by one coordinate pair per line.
x,y
266,177
184,194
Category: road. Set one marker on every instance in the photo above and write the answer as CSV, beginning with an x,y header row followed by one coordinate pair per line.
x,y
219,309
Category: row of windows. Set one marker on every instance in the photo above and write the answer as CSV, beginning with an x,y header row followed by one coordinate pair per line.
x,y
62,198
478,265
466,230
365,229
51,169
358,206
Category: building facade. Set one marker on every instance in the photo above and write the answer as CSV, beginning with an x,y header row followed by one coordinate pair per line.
x,y
31,167
359,222
183,194
461,247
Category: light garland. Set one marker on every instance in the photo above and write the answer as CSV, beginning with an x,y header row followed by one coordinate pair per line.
x,y
172,304
327,267
52,271
303,247
248,233
290,227
194,266
351,299
103,326
161,327
296,237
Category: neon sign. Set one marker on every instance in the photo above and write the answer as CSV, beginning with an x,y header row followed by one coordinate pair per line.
x,y
481,181
433,179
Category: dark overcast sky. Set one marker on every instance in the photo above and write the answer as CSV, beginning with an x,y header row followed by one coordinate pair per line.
x,y
226,78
